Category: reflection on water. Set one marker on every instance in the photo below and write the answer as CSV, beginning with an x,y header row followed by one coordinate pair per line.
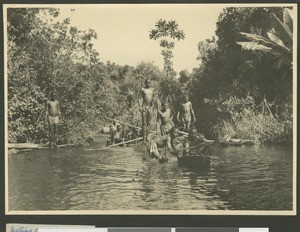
x,y
240,178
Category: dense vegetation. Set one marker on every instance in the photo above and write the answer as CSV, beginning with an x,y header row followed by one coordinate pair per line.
x,y
239,92
234,91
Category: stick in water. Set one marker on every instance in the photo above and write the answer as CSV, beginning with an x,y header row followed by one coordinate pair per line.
x,y
114,145
127,124
125,142
123,123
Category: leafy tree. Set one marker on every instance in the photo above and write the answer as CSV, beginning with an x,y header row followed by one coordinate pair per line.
x,y
204,47
184,76
227,71
167,32
46,54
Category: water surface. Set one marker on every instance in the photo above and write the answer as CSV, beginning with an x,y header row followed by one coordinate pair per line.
x,y
239,178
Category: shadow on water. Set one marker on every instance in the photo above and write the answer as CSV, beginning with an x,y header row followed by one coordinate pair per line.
x,y
239,178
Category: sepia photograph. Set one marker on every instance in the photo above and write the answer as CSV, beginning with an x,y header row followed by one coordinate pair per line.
x,y
150,109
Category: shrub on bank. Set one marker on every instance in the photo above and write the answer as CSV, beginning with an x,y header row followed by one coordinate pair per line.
x,y
241,118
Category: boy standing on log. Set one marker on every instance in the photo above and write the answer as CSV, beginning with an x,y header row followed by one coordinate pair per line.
x,y
52,118
186,113
147,95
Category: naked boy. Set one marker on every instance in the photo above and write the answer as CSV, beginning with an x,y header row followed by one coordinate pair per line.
x,y
147,98
186,114
52,118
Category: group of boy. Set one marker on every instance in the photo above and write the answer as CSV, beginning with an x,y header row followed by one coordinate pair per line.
x,y
147,99
168,136
177,144
116,133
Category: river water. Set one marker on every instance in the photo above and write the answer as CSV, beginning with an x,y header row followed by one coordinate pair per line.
x,y
84,178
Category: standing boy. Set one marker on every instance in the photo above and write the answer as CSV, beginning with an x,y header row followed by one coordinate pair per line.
x,y
186,113
147,98
52,118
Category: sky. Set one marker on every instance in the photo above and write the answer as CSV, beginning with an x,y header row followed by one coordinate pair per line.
x,y
123,30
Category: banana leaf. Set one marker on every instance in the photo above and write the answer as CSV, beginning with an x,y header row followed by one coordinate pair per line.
x,y
278,50
282,31
274,38
255,46
256,38
287,18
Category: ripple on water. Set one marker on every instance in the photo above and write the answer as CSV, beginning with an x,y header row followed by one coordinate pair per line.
x,y
252,178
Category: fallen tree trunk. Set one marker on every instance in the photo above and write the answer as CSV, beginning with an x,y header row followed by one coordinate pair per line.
x,y
23,145
32,146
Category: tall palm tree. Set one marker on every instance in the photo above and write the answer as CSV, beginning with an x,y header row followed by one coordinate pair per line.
x,y
167,31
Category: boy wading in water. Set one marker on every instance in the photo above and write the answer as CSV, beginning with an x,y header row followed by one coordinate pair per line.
x,y
52,118
186,113
147,97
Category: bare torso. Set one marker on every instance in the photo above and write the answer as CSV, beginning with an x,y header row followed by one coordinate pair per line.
x,y
53,108
165,118
148,96
185,111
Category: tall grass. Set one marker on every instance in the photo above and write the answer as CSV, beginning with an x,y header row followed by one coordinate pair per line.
x,y
247,122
